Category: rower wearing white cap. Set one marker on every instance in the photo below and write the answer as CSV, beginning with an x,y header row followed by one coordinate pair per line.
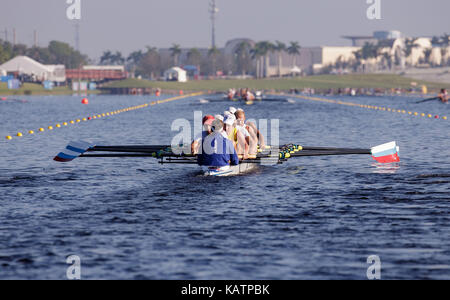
x,y
219,117
236,136
232,110
254,135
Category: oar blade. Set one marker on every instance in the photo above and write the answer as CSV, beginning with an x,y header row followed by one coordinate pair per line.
x,y
73,150
386,153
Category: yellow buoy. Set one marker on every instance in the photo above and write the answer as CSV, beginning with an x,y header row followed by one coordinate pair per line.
x,y
19,134
78,121
41,129
445,118
9,137
65,124
50,128
31,132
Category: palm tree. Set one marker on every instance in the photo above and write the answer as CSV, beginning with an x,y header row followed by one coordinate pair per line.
x,y
242,54
265,48
280,48
194,57
106,58
410,44
117,58
150,62
176,51
294,51
427,53
135,57
256,54
213,53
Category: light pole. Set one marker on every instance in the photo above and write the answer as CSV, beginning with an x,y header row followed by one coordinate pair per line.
x,y
213,10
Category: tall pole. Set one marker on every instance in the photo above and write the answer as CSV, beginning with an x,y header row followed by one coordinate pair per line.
x,y
14,37
35,38
77,35
213,11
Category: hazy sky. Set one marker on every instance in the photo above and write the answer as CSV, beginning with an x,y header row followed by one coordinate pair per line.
x,y
132,24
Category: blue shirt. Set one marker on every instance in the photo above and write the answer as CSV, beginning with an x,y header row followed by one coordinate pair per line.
x,y
217,151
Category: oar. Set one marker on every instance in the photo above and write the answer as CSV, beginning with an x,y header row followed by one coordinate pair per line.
x,y
426,100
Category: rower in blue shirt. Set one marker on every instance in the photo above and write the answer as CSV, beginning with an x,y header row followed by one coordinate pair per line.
x,y
218,152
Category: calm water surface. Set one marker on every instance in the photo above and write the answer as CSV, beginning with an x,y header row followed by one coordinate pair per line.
x,y
311,218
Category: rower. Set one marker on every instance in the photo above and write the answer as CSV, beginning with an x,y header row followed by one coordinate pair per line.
x,y
443,96
248,133
218,152
207,130
255,135
249,96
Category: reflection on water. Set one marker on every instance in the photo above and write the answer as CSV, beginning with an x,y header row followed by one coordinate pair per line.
x,y
385,168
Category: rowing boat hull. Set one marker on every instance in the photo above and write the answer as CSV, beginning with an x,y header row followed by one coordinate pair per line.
x,y
242,168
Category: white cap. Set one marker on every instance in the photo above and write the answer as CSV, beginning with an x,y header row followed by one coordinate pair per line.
x,y
229,120
227,113
219,117
239,109
232,110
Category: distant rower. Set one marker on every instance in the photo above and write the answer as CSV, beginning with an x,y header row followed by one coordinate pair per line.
x,y
443,96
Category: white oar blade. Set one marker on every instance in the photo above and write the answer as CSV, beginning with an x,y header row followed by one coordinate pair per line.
x,y
73,150
386,153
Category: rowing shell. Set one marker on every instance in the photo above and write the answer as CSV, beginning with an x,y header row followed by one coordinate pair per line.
x,y
242,168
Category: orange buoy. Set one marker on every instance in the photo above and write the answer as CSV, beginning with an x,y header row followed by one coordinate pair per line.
x,y
85,101
181,92
4,98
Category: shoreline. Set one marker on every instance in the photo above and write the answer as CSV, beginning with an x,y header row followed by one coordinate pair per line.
x,y
322,84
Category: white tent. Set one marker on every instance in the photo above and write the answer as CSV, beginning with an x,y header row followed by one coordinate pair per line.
x,y
28,66
296,70
175,74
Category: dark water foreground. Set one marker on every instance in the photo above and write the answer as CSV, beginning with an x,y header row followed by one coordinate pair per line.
x,y
311,218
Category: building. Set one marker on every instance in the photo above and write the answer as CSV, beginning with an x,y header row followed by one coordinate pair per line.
x,y
360,41
23,65
97,73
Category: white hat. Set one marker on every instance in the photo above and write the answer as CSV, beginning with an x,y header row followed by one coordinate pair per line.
x,y
227,113
229,120
219,117
232,110
239,109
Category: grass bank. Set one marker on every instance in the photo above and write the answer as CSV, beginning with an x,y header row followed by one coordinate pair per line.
x,y
317,82
36,89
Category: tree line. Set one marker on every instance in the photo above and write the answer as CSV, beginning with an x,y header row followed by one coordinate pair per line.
x,y
54,54
246,59
387,61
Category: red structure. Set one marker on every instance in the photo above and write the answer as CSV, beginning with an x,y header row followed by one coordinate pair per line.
x,y
95,75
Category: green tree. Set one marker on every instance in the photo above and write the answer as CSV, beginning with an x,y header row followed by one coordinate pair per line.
x,y
294,51
213,53
175,51
280,48
194,57
150,64
243,58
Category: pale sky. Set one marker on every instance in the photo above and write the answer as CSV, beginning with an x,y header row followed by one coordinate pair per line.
x,y
133,24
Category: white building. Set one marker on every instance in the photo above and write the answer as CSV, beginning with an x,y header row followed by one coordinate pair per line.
x,y
24,65
175,74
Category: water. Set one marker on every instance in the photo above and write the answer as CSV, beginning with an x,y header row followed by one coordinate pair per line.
x,y
311,218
